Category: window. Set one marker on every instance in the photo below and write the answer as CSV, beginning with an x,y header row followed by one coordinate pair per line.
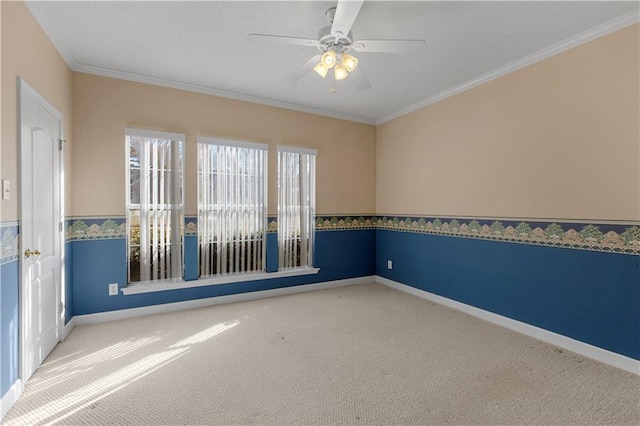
x,y
232,208
155,205
296,207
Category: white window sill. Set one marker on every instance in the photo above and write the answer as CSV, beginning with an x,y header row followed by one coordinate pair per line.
x,y
151,287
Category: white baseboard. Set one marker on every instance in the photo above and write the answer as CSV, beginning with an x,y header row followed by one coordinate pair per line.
x,y
564,342
200,303
67,328
10,398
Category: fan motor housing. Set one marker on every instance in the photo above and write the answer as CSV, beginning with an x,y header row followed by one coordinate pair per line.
x,y
326,40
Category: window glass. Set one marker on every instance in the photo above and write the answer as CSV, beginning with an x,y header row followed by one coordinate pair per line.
x,y
296,207
155,206
231,206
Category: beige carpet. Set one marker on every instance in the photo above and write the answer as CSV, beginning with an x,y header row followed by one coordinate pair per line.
x,y
356,355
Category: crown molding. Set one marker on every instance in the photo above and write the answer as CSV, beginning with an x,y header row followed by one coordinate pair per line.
x,y
601,30
584,37
61,47
138,78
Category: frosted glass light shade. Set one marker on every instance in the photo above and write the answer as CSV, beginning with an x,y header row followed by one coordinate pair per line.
x,y
340,71
350,62
329,58
321,69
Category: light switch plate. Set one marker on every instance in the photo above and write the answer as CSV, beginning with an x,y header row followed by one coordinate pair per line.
x,y
6,189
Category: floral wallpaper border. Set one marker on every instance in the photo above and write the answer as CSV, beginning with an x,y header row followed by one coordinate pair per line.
x,y
600,237
191,226
339,223
333,223
9,237
272,224
95,229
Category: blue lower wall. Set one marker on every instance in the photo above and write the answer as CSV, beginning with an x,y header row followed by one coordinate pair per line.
x,y
586,294
68,282
190,257
96,263
591,296
9,302
9,322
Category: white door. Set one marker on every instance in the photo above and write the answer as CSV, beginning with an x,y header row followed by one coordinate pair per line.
x,y
40,212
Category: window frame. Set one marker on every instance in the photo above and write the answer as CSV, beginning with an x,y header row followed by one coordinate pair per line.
x,y
176,137
312,209
205,140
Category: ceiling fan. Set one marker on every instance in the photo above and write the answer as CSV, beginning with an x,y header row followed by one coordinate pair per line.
x,y
335,42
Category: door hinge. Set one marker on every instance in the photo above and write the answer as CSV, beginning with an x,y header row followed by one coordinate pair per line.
x,y
60,227
60,143
61,307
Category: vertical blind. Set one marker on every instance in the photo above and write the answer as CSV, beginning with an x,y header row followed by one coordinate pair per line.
x,y
232,209
155,205
296,207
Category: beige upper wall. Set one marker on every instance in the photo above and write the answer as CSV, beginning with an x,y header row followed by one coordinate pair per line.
x,y
104,107
1,120
28,53
558,139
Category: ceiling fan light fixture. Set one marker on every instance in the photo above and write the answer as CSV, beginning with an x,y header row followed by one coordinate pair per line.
x,y
350,62
329,58
321,69
340,71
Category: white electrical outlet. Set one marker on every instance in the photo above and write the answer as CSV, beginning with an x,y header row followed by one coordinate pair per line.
x,y
113,289
389,264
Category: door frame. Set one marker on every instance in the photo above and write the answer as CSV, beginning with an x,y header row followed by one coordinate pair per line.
x,y
24,89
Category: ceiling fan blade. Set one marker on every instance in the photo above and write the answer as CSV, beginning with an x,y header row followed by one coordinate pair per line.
x,y
346,13
359,80
283,39
305,68
387,46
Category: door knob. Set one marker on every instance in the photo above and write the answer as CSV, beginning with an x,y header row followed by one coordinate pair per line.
x,y
29,253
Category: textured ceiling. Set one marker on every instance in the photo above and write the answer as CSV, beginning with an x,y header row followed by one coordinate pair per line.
x,y
204,45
